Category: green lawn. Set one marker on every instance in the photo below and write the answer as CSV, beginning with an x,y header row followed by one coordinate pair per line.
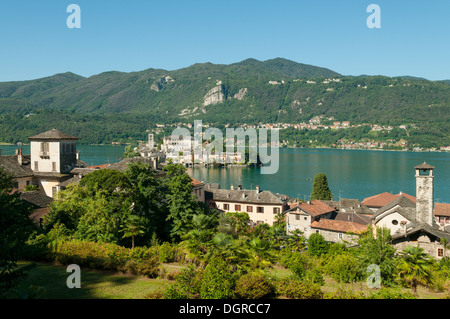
x,y
94,284
109,285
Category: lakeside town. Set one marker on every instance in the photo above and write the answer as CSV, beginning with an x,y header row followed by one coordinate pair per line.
x,y
53,172
323,122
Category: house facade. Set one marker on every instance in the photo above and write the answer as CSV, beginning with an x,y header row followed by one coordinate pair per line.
x,y
301,216
52,161
261,206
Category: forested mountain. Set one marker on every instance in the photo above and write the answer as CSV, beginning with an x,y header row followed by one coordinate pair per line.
x,y
117,105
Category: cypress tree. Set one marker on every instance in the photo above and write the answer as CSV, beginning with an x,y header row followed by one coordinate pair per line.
x,y
320,188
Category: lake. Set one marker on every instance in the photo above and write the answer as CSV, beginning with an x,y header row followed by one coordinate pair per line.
x,y
351,173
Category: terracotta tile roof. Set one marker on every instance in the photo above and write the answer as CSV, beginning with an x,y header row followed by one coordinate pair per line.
x,y
338,226
384,198
441,209
196,182
315,208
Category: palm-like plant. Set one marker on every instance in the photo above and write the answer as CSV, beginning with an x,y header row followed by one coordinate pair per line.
x,y
414,267
132,227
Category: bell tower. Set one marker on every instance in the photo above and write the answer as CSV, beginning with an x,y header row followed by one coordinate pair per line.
x,y
424,193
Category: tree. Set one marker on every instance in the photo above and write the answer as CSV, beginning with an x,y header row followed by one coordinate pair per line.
x,y
317,246
132,227
320,189
414,267
15,228
377,250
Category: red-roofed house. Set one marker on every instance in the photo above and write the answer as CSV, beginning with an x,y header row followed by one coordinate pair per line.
x,y
301,216
199,189
377,201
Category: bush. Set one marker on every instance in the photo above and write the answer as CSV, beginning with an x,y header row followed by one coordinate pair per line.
x,y
253,286
148,267
186,286
167,253
389,293
217,281
317,245
343,268
298,289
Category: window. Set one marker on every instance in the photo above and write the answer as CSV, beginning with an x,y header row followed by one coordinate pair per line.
x,y
305,218
226,206
249,209
237,208
36,166
54,166
440,252
44,150
260,209
394,222
297,217
340,235
317,231
276,210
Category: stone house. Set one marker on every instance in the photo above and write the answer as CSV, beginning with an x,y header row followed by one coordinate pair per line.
x,y
338,231
412,223
302,215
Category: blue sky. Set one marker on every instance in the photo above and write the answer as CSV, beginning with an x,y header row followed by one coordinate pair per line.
x,y
134,35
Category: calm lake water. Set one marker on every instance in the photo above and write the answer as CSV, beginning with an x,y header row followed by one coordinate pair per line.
x,y
351,173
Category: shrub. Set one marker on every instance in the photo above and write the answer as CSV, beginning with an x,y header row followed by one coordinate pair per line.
x,y
298,289
343,268
343,293
186,286
390,293
167,253
217,281
148,267
317,245
253,286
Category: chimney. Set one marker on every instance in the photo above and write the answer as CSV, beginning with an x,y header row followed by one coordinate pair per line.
x,y
78,155
258,190
19,156
239,187
232,187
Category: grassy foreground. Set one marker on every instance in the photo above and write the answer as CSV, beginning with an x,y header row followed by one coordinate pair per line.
x,y
109,285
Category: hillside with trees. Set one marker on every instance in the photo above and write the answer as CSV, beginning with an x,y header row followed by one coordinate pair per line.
x,y
116,105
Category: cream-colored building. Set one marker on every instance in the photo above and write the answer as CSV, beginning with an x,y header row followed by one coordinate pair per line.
x,y
52,159
261,206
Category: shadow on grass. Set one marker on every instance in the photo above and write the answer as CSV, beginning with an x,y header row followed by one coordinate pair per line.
x,y
94,284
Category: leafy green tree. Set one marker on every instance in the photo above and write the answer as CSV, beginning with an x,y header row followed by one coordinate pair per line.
x,y
414,267
377,250
181,202
320,189
317,245
15,228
